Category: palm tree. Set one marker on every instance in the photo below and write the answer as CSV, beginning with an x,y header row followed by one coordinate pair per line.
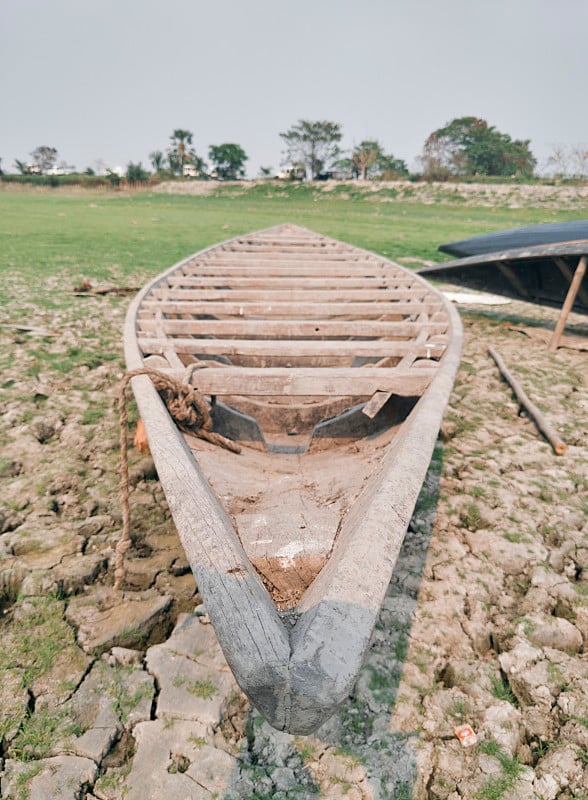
x,y
179,139
156,160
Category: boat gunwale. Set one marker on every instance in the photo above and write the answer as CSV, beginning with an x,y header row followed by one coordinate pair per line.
x,y
577,247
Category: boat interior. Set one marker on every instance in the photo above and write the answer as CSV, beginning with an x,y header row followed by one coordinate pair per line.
x,y
312,353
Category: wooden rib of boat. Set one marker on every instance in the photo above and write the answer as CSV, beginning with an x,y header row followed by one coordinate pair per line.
x,y
332,367
541,274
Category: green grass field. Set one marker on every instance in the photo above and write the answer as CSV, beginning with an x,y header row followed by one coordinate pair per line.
x,y
124,237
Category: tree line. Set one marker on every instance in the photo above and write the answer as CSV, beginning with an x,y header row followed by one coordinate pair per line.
x,y
464,147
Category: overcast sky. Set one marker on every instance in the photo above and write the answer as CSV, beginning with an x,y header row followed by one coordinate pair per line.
x,y
111,79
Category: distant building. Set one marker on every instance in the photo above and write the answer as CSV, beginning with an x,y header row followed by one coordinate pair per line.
x,y
61,169
190,171
292,174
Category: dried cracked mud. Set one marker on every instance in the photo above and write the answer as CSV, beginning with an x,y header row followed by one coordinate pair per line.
x,y
127,695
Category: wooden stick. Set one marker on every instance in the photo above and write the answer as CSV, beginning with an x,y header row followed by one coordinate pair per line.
x,y
568,303
568,275
533,412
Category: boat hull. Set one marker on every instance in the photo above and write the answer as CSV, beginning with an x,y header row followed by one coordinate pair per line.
x,y
540,274
296,655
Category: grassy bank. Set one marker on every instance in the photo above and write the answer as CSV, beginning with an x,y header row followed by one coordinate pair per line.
x,y
126,237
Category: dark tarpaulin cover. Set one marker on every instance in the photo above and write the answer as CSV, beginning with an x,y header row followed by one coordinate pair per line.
x,y
528,236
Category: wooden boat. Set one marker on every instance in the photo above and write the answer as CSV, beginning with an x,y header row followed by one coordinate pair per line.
x,y
512,239
332,367
542,274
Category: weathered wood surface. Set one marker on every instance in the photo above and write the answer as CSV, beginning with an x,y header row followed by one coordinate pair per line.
x,y
288,282
335,294
573,292
334,270
292,347
291,329
283,309
354,382
559,446
538,274
568,274
291,525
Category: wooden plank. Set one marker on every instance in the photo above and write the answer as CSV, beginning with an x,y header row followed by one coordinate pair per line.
x,y
379,399
292,330
320,242
285,309
289,241
294,251
284,347
273,254
286,265
308,382
293,295
376,403
311,281
305,270
282,255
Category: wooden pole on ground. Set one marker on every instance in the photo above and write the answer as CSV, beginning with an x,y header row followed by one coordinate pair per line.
x,y
568,303
533,412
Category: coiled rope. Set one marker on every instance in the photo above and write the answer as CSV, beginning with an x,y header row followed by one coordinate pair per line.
x,y
190,411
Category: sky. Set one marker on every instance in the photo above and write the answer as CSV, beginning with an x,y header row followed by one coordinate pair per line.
x,y
106,82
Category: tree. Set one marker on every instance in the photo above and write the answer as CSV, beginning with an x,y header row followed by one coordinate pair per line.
x,y
44,157
228,161
579,156
368,160
136,173
157,160
21,166
390,168
469,146
114,178
364,157
179,154
315,144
